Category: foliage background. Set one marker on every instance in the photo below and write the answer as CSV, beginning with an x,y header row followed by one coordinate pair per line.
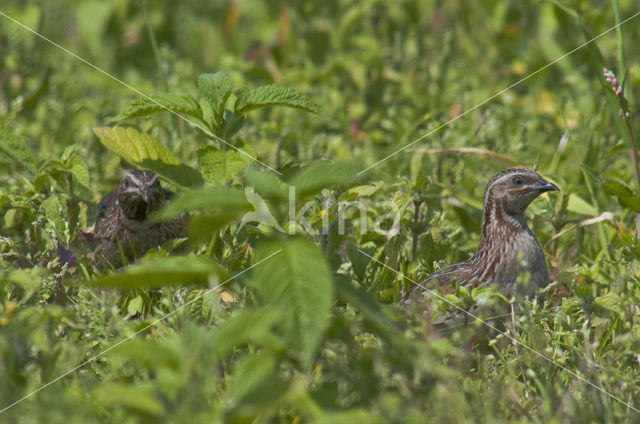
x,y
314,335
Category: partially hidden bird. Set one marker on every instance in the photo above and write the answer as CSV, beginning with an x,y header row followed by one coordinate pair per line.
x,y
124,229
509,255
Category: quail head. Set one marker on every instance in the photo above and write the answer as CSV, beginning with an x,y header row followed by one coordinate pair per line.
x,y
124,228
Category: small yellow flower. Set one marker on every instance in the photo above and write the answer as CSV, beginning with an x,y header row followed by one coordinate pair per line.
x,y
4,321
322,213
226,297
11,307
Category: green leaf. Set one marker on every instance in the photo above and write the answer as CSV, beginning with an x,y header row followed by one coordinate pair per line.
x,y
297,283
617,189
55,212
250,374
632,203
201,228
80,172
610,301
358,260
140,399
216,88
149,353
267,184
571,305
211,198
76,165
584,290
233,126
219,167
273,95
92,18
320,175
365,190
249,326
162,102
161,271
578,205
265,399
17,149
146,152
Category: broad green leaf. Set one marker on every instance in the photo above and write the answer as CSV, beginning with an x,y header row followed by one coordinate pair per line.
x,y
138,398
610,301
136,305
216,88
28,15
584,290
92,18
233,125
632,203
265,399
273,95
55,212
320,175
251,373
617,189
624,194
249,326
161,271
80,172
146,152
571,305
219,167
296,281
201,228
267,184
229,199
452,300
76,165
151,354
359,261
364,190
162,102
17,149
578,205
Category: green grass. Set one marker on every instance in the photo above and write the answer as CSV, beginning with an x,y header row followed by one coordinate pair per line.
x,y
254,325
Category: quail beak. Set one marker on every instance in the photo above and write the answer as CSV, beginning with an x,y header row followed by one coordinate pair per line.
x,y
145,197
547,186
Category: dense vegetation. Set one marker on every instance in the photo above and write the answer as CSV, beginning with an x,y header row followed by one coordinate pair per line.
x,y
290,320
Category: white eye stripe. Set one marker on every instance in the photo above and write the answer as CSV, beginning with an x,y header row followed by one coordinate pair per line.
x,y
134,179
153,179
509,176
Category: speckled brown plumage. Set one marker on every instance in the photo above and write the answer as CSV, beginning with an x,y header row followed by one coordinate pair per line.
x,y
509,254
123,220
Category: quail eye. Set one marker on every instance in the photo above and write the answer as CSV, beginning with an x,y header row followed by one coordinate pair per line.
x,y
517,180
126,183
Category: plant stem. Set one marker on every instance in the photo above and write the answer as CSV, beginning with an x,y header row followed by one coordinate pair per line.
x,y
636,170
154,44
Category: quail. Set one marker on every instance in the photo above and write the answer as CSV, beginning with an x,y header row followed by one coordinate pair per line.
x,y
509,254
124,228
